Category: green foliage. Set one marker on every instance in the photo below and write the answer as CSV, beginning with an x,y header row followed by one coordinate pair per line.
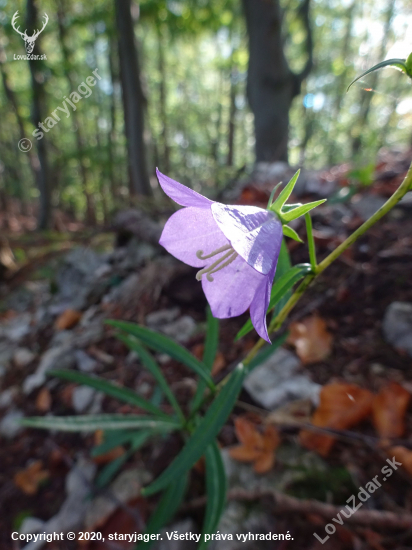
x,y
205,432
123,394
92,422
163,344
216,487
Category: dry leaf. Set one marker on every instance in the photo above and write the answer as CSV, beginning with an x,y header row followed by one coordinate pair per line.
x,y
43,400
341,407
389,409
311,339
402,455
255,447
109,456
219,363
28,480
68,319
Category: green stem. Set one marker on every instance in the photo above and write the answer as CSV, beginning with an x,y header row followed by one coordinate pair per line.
x,y
277,322
389,204
311,241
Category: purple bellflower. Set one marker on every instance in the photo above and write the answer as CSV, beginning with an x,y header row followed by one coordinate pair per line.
x,y
236,247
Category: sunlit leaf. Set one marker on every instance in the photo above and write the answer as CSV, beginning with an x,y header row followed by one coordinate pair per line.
x,y
389,409
311,339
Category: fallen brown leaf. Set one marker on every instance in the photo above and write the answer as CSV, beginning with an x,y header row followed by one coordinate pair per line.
x,y
255,447
311,339
43,400
29,479
341,407
68,319
389,409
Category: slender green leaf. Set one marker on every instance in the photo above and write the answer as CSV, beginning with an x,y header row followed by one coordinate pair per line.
x,y
114,439
279,290
163,344
166,509
91,422
209,355
300,210
123,394
266,352
110,470
285,193
398,63
205,432
291,233
216,487
154,370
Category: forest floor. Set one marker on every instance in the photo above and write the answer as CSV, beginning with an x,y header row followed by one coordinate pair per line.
x,y
343,341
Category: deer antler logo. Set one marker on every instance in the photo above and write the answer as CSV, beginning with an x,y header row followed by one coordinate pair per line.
x,y
29,41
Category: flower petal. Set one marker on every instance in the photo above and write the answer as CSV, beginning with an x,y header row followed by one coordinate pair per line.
x,y
233,289
254,233
260,303
180,193
189,230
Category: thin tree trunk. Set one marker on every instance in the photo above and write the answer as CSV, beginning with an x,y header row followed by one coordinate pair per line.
x,y
366,99
271,84
163,97
38,110
111,134
67,67
232,119
133,99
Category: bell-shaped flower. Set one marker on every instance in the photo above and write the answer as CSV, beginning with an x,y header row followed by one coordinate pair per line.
x,y
236,249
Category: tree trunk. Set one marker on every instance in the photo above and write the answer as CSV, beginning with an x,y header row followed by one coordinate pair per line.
x,y
67,68
38,112
133,98
271,84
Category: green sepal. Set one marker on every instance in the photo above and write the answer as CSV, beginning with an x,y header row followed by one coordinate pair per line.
x,y
408,65
299,211
401,64
284,195
291,233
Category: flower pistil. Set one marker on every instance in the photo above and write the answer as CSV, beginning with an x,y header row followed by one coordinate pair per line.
x,y
219,264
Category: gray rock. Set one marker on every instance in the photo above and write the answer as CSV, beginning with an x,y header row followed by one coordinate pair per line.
x,y
277,381
241,518
121,293
79,282
397,325
124,488
22,357
85,363
182,527
82,398
31,525
71,514
162,317
181,330
61,357
6,353
10,424
366,205
91,334
17,328
7,397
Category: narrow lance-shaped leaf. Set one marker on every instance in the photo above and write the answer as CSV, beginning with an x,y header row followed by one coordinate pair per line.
x,y
209,355
163,344
216,487
123,394
205,432
154,370
92,422
397,63
168,505
291,233
115,439
300,210
285,194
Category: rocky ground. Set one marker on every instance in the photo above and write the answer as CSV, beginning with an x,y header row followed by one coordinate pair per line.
x,y
362,306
